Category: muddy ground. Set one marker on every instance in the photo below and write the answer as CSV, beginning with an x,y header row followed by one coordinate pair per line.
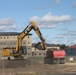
x,y
24,67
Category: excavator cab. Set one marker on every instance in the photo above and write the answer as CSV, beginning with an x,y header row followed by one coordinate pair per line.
x,y
23,50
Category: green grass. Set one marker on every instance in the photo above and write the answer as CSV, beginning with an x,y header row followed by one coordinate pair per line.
x,y
41,59
67,58
36,58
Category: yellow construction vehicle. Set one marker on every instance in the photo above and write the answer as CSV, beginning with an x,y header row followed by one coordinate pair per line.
x,y
20,50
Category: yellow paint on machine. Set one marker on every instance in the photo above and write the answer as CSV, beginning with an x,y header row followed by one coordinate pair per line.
x,y
6,52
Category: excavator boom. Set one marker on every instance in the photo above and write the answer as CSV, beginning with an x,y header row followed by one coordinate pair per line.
x,y
32,25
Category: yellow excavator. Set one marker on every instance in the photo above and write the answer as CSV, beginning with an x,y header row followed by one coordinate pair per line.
x,y
20,50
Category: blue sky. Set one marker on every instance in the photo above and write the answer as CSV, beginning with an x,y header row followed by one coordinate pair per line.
x,y
55,18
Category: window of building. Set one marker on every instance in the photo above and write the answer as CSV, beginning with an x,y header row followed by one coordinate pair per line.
x,y
0,37
28,53
28,48
35,49
39,53
28,42
28,37
4,37
4,43
14,43
7,37
35,53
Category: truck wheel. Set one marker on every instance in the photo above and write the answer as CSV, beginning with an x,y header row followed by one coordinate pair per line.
x,y
55,61
22,57
62,61
9,58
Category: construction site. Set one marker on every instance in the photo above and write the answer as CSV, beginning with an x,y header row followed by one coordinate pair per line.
x,y
37,37
39,60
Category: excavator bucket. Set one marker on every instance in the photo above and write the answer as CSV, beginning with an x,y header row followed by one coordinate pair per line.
x,y
40,46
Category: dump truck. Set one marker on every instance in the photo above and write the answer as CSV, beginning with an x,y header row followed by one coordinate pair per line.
x,y
55,57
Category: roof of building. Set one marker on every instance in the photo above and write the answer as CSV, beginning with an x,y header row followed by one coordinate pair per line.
x,y
74,46
10,33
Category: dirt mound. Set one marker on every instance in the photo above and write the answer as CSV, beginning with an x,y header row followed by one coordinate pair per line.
x,y
17,63
31,65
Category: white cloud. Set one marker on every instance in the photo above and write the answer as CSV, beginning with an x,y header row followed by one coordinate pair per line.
x,y
2,28
50,21
7,24
63,29
69,34
70,37
54,18
57,42
13,27
72,42
58,2
6,21
59,37
74,31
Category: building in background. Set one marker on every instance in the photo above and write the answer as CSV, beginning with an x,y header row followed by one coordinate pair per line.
x,y
71,51
36,52
9,39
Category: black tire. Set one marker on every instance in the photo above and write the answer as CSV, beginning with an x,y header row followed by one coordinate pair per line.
x,y
22,57
56,61
62,61
9,58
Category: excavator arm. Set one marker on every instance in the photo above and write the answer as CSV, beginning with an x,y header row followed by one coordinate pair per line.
x,y
32,25
21,36
40,45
